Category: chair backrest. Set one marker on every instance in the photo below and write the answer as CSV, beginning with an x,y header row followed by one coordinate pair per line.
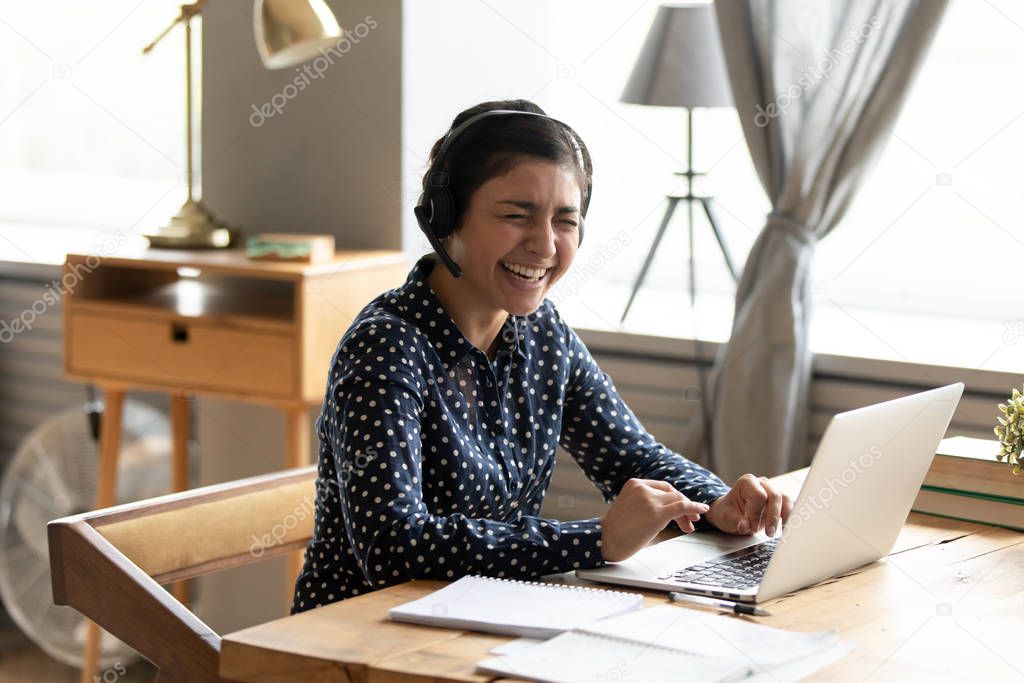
x,y
110,564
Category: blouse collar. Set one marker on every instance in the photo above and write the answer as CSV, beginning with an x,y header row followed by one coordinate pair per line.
x,y
423,308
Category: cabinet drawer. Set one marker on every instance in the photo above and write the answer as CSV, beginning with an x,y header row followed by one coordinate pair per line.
x,y
177,354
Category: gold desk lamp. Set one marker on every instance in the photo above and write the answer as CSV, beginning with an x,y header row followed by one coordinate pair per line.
x,y
288,33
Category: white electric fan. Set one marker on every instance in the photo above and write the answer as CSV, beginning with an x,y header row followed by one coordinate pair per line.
x,y
52,475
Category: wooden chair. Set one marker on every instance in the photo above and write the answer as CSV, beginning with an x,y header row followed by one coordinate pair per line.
x,y
110,564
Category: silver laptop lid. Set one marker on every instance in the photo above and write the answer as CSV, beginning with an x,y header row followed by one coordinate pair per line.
x,y
868,469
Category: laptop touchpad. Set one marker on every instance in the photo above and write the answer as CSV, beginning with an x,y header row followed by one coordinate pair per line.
x,y
681,551
704,545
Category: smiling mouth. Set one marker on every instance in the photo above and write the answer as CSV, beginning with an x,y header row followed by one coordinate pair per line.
x,y
525,273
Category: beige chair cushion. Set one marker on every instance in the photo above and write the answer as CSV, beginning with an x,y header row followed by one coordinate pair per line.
x,y
249,524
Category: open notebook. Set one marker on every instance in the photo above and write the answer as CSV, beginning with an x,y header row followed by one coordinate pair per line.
x,y
514,607
671,643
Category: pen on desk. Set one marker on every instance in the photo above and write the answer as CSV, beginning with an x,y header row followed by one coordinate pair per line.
x,y
727,605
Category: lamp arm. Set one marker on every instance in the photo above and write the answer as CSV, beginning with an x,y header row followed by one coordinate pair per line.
x,y
187,12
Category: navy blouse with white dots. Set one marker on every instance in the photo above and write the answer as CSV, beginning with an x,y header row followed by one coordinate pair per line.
x,y
434,460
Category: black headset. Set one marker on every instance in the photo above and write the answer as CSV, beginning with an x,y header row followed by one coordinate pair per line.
x,y
435,209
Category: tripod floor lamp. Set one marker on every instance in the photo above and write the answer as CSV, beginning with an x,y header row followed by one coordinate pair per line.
x,y
681,65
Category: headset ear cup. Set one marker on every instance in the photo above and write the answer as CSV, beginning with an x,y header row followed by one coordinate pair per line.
x,y
427,226
580,242
443,217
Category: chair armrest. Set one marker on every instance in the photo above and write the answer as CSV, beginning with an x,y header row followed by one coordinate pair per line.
x,y
92,576
109,564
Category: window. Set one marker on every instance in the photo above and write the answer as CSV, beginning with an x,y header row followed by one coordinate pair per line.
x,y
91,130
936,229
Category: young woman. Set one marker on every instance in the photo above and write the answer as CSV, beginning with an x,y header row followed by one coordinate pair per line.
x,y
448,396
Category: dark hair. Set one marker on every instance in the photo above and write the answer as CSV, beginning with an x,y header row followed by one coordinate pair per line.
x,y
492,147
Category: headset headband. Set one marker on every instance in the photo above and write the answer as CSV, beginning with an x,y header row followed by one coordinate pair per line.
x,y
435,209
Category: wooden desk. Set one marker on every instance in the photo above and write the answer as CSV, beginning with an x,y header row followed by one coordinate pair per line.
x,y
947,603
210,323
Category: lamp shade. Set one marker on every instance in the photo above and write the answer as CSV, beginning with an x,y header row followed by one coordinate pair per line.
x,y
681,63
290,32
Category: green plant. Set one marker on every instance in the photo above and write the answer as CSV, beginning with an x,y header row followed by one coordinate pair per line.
x,y
1011,431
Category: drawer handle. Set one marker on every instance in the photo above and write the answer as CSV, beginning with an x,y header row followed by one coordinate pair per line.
x,y
179,333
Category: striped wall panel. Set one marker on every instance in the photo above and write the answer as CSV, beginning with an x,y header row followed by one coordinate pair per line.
x,y
31,365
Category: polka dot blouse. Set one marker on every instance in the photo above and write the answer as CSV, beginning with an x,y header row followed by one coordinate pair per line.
x,y
434,460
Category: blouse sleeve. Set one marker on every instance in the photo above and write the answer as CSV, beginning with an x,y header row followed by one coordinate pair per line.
x,y
375,442
610,444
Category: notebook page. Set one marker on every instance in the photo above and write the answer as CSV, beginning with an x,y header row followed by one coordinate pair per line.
x,y
513,607
718,635
802,669
577,657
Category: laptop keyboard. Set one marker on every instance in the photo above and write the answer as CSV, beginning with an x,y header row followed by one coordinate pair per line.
x,y
740,569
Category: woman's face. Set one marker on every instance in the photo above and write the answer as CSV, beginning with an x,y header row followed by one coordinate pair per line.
x,y
518,235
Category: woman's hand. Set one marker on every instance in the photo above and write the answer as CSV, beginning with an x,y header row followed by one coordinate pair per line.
x,y
642,509
754,503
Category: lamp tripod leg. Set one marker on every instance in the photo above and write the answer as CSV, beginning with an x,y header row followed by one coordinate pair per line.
x,y
709,211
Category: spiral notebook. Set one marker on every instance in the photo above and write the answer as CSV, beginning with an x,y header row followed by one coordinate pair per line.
x,y
671,644
581,656
515,607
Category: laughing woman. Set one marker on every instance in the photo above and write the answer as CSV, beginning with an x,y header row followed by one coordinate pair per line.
x,y
448,396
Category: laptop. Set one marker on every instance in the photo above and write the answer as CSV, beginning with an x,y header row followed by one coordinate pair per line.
x,y
865,475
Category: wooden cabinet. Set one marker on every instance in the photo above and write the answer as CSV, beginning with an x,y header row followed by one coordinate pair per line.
x,y
214,322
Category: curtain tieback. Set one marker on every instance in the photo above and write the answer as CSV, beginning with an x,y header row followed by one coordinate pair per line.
x,y
800,231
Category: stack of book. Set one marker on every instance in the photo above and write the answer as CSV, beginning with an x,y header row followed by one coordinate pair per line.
x,y
966,481
300,248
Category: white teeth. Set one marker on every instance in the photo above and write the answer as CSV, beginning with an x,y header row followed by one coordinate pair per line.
x,y
528,273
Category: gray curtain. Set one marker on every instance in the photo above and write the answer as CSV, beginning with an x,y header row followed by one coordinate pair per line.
x,y
818,85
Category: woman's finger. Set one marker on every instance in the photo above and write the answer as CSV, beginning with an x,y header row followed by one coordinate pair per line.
x,y
685,525
695,509
773,508
754,499
787,507
673,496
684,508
